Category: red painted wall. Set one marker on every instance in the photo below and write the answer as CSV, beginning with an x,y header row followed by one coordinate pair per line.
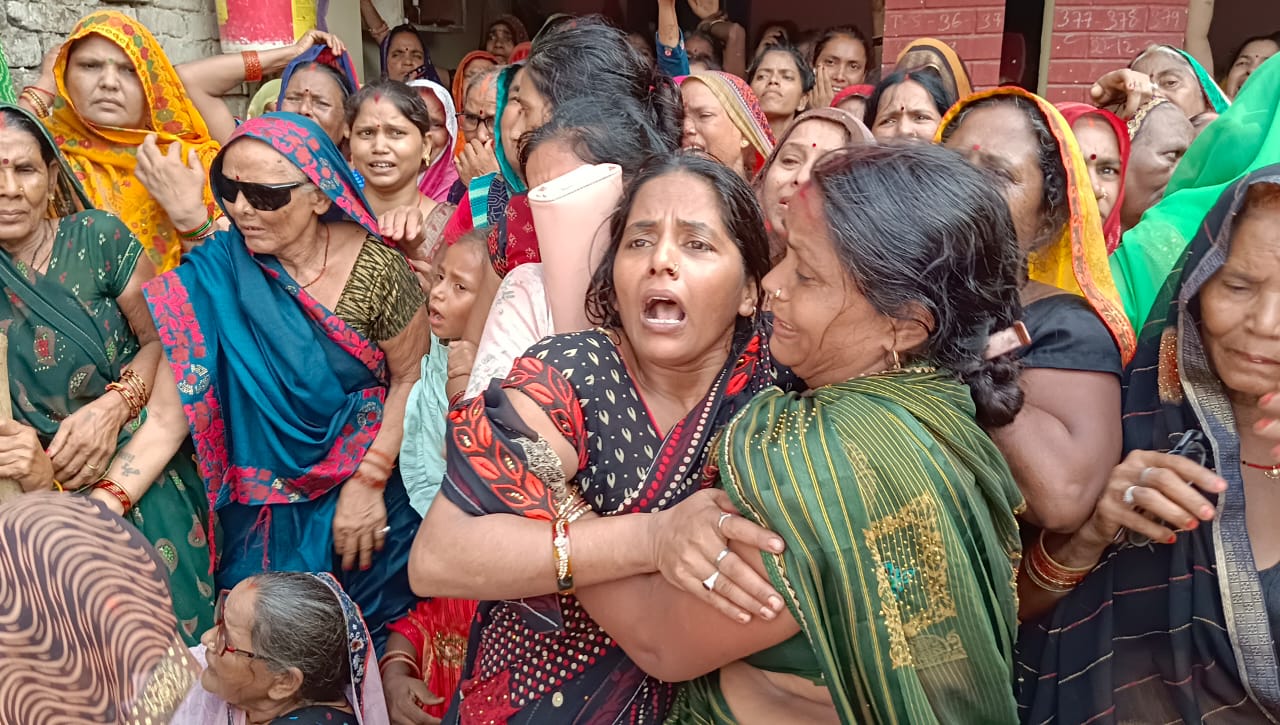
x,y
1091,37
975,28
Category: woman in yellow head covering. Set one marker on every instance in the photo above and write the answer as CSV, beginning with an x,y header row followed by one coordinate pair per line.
x,y
935,54
123,120
1064,443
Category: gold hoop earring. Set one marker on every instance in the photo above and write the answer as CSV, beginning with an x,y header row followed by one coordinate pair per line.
x,y
897,362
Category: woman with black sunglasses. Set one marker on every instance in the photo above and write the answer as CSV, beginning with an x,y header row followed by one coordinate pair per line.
x,y
293,340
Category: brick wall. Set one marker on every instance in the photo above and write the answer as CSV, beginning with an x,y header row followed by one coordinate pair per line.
x,y
186,29
975,28
1091,37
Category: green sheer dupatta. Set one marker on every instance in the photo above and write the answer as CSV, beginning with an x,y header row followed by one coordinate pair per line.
x,y
902,547
1245,138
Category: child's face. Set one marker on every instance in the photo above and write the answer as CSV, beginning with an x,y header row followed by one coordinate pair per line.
x,y
453,292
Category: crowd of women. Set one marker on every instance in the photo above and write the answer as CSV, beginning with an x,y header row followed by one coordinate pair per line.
x,y
652,382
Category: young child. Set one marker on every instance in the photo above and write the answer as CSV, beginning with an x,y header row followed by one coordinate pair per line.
x,y
425,650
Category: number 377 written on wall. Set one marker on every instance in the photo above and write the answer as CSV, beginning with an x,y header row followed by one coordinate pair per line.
x,y
1103,20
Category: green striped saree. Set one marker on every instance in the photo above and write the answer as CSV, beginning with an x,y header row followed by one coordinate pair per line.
x,y
898,513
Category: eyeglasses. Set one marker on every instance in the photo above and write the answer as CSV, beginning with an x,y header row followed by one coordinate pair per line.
x,y
263,197
470,122
220,646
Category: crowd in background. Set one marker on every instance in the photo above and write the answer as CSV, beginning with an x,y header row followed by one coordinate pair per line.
x,y
631,378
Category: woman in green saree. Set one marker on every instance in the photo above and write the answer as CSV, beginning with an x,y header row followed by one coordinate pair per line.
x,y
83,350
894,509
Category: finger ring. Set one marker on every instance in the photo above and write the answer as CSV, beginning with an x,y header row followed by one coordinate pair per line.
x,y
384,529
720,523
710,582
1142,477
92,467
720,557
1128,495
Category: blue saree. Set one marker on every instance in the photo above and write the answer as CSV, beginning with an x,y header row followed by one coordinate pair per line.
x,y
283,397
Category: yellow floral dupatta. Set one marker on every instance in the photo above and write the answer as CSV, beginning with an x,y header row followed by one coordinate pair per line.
x,y
1077,260
103,157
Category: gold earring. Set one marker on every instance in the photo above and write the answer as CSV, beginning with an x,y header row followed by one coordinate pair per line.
x,y
745,143
897,363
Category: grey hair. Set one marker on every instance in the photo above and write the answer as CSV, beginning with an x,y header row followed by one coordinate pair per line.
x,y
477,80
299,623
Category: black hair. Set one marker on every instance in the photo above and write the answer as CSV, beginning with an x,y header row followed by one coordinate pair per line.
x,y
591,58
1055,205
836,31
1274,37
341,80
920,230
807,76
928,78
24,123
717,48
621,133
738,208
404,97
790,30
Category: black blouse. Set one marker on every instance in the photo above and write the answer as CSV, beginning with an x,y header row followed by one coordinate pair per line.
x,y
1066,334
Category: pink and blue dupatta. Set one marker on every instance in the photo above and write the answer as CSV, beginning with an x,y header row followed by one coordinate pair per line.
x,y
283,397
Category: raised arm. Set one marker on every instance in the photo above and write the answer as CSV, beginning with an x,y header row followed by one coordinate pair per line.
x,y
207,80
1196,39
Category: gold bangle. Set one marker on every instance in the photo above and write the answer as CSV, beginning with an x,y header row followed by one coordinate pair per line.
x,y
561,551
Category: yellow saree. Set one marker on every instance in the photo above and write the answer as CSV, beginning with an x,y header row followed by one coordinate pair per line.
x,y
103,158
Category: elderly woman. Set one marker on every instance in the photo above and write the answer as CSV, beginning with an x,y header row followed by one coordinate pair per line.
x,y
722,117
781,80
288,647
317,85
1105,145
1160,136
812,135
502,36
908,105
89,633
898,539
83,351
123,119
292,340
1067,436
1188,594
209,80
616,420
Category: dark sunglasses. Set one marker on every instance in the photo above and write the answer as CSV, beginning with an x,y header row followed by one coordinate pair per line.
x,y
263,197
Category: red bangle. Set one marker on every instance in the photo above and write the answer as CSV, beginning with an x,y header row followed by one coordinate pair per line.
x,y
252,66
114,489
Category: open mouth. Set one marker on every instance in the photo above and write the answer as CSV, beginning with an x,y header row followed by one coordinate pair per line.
x,y
663,311
381,165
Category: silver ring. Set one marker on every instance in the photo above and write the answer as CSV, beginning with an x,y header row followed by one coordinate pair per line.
x,y
1128,495
1142,477
720,523
710,582
384,530
720,557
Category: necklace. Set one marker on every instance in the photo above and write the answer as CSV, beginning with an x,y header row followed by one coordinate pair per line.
x,y
325,264
32,265
1271,472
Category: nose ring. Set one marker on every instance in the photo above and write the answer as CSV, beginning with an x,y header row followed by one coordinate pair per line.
x,y
674,269
777,294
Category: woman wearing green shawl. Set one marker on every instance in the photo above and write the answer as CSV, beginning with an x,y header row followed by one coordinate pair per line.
x,y
83,350
1180,78
1245,138
896,509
